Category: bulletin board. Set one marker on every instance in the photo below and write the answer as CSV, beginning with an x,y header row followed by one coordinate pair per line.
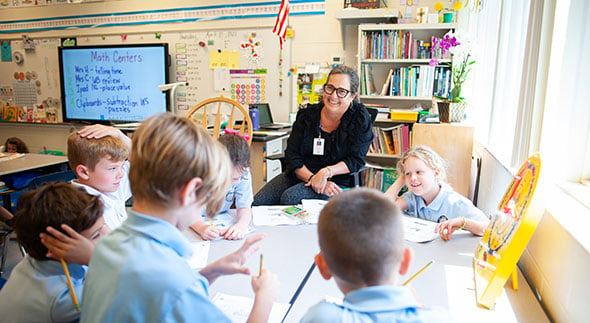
x,y
243,64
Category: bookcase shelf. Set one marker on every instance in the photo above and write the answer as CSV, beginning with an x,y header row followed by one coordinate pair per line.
x,y
393,64
395,97
401,61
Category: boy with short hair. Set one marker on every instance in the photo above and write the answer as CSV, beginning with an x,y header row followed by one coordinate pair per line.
x,y
239,192
98,156
37,289
362,247
139,272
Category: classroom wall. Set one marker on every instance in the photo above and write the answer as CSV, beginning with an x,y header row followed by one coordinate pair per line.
x,y
555,263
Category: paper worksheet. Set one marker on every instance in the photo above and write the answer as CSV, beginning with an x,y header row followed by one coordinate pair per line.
x,y
418,230
272,215
200,249
313,207
237,308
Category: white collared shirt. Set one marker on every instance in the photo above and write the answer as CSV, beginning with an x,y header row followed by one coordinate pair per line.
x,y
114,202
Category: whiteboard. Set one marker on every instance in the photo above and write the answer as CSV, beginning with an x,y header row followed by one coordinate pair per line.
x,y
243,64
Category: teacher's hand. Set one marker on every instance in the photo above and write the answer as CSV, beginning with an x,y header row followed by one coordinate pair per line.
x,y
332,188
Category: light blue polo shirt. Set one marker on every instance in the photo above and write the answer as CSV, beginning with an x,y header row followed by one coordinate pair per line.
x,y
37,291
447,205
139,273
241,193
384,303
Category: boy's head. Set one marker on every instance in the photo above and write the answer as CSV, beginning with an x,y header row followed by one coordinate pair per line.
x,y
430,159
361,240
54,204
239,154
171,156
97,162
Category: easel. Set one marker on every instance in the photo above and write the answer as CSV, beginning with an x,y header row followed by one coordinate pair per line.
x,y
507,235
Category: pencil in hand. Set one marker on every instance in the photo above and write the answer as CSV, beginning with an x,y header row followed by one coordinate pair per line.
x,y
70,286
418,273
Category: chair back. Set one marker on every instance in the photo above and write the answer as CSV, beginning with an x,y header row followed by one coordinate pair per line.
x,y
65,176
373,113
216,114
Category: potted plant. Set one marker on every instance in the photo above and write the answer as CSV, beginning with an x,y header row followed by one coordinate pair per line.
x,y
453,106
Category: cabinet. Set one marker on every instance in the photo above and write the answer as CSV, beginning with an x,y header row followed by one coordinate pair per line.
x,y
393,64
265,164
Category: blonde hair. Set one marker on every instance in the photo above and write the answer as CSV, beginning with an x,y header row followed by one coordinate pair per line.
x,y
429,157
88,152
167,152
361,236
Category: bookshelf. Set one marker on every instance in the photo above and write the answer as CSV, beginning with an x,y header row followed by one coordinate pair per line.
x,y
393,64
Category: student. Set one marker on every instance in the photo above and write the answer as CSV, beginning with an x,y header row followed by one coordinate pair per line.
x,y
422,171
240,192
361,241
37,290
98,156
15,145
139,272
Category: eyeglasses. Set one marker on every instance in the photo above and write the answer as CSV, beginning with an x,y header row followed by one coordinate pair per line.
x,y
340,92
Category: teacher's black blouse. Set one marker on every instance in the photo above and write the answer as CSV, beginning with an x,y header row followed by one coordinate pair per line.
x,y
349,142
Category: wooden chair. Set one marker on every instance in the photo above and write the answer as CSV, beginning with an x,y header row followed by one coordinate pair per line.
x,y
215,114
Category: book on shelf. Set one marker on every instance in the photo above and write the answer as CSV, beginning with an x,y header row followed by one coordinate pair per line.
x,y
386,84
393,44
367,80
383,111
379,177
392,141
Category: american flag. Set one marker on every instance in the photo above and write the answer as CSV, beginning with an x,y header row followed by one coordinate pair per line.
x,y
281,23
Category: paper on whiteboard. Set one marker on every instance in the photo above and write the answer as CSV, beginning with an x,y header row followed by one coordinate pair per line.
x,y
238,308
221,79
418,230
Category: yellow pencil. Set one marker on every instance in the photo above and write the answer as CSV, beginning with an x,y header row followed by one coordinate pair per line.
x,y
70,286
211,223
417,273
260,271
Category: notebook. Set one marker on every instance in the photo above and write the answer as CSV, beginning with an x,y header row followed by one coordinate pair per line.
x,y
265,117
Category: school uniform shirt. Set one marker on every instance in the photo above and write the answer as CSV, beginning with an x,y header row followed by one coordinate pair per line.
x,y
114,212
37,291
384,303
139,273
241,193
447,205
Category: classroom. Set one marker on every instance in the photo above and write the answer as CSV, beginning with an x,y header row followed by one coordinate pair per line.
x,y
520,68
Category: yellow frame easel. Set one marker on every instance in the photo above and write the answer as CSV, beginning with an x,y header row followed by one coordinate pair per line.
x,y
507,235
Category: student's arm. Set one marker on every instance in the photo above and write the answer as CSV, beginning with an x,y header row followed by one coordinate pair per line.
x,y
393,191
446,228
205,230
238,230
266,290
74,247
99,131
234,262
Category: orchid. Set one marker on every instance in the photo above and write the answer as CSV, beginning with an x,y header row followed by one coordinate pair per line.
x,y
462,60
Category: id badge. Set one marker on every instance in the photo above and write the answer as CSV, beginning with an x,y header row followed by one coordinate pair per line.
x,y
318,146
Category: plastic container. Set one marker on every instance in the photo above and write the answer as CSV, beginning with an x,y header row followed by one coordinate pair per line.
x,y
401,115
254,116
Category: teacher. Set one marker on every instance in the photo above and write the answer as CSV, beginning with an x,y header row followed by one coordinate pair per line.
x,y
328,141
